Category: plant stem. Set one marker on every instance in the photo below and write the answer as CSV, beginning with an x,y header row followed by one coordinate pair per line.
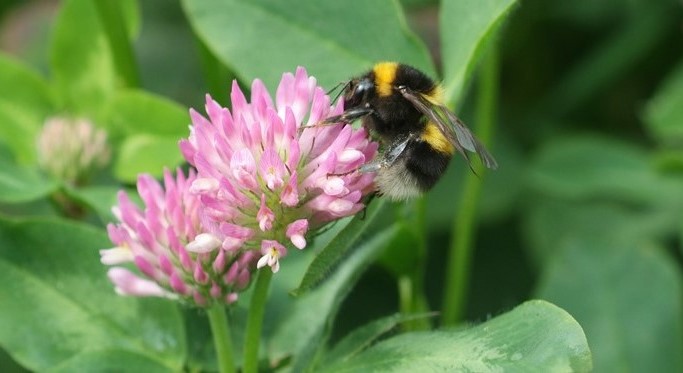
x,y
109,12
221,338
255,320
464,225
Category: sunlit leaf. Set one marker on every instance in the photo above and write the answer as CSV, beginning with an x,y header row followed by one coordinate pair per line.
x,y
332,39
55,283
139,112
534,337
364,336
112,360
465,28
22,183
628,298
146,154
81,60
99,198
25,102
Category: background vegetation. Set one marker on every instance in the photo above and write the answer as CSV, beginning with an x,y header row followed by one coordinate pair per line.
x,y
582,102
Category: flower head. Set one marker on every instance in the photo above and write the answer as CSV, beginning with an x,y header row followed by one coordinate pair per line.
x,y
266,174
166,242
70,149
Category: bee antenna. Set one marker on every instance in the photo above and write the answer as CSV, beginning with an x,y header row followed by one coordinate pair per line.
x,y
340,84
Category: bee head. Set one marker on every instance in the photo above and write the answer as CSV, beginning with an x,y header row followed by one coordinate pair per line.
x,y
357,91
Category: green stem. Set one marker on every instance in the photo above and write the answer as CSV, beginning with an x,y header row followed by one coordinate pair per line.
x,y
405,295
412,299
221,338
464,225
255,320
109,12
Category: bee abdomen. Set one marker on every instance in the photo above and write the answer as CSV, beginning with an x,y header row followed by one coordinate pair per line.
x,y
427,164
415,173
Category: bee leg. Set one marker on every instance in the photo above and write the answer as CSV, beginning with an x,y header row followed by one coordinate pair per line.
x,y
390,156
369,198
347,116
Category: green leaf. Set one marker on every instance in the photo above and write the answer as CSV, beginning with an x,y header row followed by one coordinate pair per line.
x,y
111,360
22,183
534,337
81,59
664,113
146,154
111,16
24,106
334,252
57,290
627,298
465,28
99,198
151,127
305,324
576,167
548,224
361,338
139,112
332,39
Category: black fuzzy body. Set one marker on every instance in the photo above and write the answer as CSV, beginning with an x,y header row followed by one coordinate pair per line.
x,y
393,119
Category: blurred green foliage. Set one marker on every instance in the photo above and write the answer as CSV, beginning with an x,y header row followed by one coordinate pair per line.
x,y
585,211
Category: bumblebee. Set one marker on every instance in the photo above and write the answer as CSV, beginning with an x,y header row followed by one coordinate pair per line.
x,y
419,135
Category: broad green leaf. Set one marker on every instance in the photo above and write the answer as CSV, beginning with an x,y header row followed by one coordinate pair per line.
x,y
56,287
466,26
331,255
22,183
627,298
112,18
99,198
304,325
334,40
548,224
201,354
146,154
589,167
25,102
131,14
81,59
534,337
111,360
669,161
137,112
9,365
361,338
664,112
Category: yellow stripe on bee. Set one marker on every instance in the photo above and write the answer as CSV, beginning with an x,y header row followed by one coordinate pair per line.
x,y
436,139
385,74
435,96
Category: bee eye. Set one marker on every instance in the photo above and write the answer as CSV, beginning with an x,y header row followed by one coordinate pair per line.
x,y
358,92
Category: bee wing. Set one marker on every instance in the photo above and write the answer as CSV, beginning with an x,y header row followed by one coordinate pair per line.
x,y
453,128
